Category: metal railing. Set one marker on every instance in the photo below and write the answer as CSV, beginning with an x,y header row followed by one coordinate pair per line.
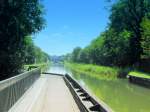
x,y
13,88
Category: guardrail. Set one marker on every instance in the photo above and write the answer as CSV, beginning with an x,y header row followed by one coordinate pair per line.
x,y
13,88
84,100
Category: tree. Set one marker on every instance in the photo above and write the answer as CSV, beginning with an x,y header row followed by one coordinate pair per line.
x,y
95,50
75,54
126,37
111,48
127,15
84,56
29,50
34,54
145,41
18,19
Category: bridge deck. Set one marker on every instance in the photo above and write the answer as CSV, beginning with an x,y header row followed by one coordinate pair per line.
x,y
48,94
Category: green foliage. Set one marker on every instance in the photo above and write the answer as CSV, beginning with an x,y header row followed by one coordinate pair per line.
x,y
110,48
139,74
126,37
84,55
34,54
94,70
128,14
75,54
145,41
29,50
116,47
43,66
95,50
18,18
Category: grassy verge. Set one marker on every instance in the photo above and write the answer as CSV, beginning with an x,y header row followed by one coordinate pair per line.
x,y
105,71
94,70
139,74
43,66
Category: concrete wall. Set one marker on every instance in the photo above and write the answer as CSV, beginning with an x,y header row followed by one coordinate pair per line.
x,y
140,81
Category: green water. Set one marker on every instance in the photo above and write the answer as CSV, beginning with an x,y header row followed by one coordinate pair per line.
x,y
120,95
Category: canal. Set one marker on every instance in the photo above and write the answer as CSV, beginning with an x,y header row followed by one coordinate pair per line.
x,y
119,94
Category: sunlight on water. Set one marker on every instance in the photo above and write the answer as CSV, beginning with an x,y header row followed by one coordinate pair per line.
x,y
120,95
59,69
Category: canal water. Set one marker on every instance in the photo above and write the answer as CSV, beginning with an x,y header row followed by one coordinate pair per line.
x,y
120,95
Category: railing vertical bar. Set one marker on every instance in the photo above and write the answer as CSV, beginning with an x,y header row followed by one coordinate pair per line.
x,y
12,89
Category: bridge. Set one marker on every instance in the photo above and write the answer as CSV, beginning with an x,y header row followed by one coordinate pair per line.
x,y
34,91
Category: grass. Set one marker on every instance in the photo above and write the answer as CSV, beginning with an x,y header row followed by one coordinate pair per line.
x,y
94,70
105,72
43,66
139,74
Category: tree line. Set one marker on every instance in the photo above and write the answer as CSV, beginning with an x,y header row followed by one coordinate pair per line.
x,y
33,54
18,20
125,42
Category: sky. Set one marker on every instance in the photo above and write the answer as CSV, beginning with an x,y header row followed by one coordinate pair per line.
x,y
71,23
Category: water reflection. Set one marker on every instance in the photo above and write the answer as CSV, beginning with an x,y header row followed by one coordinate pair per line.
x,y
120,95
57,68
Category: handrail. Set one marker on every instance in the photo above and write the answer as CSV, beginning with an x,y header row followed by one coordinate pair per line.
x,y
12,80
13,88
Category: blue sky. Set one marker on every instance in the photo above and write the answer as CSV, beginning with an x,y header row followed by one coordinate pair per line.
x,y
71,23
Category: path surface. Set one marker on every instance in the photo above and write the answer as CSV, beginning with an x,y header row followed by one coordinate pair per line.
x,y
48,94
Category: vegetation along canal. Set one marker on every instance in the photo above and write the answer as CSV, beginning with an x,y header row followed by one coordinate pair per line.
x,y
119,94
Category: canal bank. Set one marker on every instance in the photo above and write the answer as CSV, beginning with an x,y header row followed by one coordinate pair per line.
x,y
142,79
111,73
119,94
